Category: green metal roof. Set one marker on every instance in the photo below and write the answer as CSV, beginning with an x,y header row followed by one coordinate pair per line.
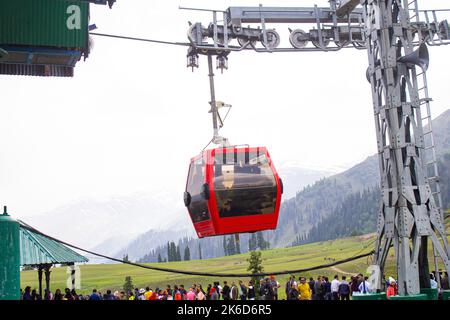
x,y
36,249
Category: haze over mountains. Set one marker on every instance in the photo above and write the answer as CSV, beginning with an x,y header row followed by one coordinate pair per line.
x,y
138,224
337,206
110,223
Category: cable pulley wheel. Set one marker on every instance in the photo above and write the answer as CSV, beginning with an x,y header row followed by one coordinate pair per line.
x,y
273,39
298,39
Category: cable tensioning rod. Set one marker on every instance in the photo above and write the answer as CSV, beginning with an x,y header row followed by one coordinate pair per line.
x,y
213,96
205,274
184,44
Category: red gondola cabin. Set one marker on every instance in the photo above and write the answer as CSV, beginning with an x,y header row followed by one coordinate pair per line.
x,y
233,190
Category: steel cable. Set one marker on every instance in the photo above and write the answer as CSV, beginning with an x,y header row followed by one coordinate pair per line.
x,y
184,44
204,274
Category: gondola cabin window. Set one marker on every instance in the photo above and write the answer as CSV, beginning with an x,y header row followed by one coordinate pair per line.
x,y
244,184
198,207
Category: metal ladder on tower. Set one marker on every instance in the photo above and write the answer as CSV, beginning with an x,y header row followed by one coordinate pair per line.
x,y
430,165
430,159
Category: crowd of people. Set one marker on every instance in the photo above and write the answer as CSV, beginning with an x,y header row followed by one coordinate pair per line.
x,y
324,289
340,288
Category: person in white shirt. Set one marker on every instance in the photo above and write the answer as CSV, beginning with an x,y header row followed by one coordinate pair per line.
x,y
335,288
364,287
433,283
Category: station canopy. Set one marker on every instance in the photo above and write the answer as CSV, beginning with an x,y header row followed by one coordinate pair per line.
x,y
36,249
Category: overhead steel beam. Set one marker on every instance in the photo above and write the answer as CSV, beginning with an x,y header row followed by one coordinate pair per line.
x,y
346,7
239,15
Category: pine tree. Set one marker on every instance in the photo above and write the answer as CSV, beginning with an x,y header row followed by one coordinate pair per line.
x,y
169,252
255,266
173,251
231,246
260,242
225,247
128,285
178,254
238,247
199,251
187,254
252,242
159,258
125,258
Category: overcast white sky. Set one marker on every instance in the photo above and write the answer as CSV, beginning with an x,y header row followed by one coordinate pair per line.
x,y
133,115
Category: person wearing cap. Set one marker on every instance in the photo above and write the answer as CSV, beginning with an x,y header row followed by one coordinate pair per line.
x,y
141,294
391,291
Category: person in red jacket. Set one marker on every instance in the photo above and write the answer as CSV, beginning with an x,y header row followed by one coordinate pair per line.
x,y
391,291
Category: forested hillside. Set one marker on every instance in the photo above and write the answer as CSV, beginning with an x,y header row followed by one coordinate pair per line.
x,y
342,205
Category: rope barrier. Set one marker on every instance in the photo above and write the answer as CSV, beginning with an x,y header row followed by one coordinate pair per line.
x,y
204,274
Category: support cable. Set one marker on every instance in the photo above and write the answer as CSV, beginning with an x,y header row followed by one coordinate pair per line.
x,y
184,44
204,274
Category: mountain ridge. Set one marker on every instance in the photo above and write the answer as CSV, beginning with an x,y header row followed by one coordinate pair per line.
x,y
324,199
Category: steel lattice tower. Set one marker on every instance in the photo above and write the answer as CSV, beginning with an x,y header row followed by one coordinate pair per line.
x,y
395,34
409,213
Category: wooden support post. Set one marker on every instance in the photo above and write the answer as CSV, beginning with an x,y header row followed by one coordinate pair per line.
x,y
47,279
40,267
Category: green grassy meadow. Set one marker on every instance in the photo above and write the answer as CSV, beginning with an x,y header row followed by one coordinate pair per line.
x,y
112,276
